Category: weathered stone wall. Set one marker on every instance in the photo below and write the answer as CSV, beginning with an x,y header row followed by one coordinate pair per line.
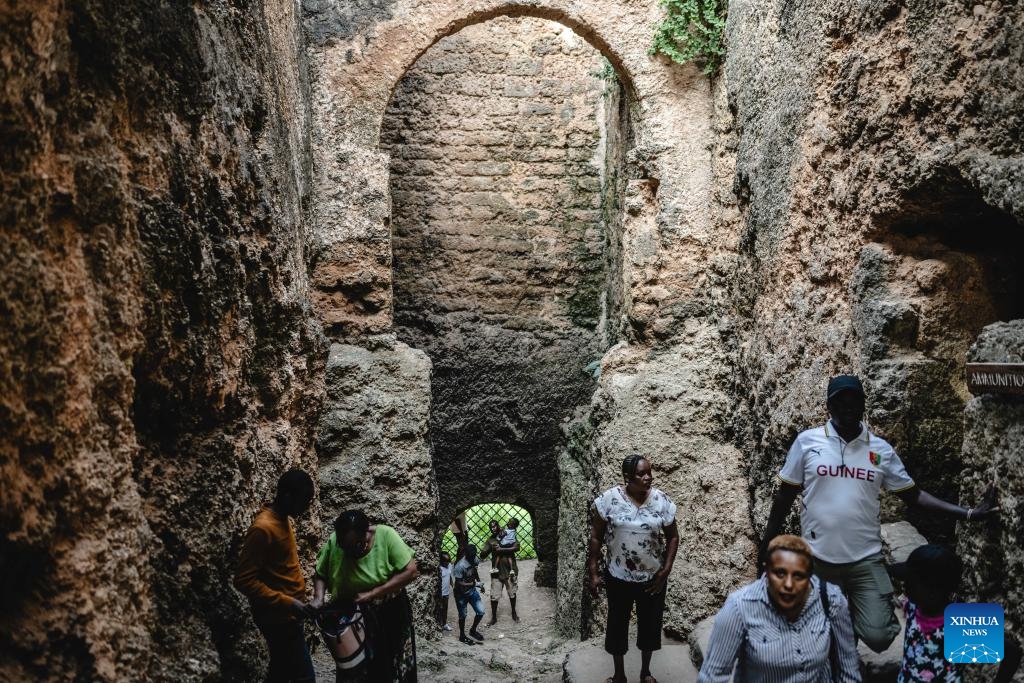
x,y
499,253
357,60
160,363
878,177
994,448
672,406
670,290
374,454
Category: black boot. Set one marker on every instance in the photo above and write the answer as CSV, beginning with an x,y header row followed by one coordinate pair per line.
x,y
494,613
473,631
515,617
462,632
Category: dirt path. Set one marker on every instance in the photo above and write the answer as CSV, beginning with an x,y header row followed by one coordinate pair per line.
x,y
531,651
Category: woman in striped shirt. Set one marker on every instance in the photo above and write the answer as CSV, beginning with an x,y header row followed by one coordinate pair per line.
x,y
776,630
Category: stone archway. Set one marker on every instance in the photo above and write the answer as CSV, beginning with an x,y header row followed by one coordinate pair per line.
x,y
506,144
379,387
354,70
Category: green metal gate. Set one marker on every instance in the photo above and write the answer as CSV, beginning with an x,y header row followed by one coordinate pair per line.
x,y
477,519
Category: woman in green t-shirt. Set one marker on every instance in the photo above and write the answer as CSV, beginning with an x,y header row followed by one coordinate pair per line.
x,y
371,565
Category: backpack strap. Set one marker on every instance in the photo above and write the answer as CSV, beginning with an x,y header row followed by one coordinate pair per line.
x,y
825,604
833,656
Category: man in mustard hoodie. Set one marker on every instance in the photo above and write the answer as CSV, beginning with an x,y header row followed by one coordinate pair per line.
x,y
269,575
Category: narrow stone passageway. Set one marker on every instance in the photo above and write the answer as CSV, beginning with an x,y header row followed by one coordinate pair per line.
x,y
440,254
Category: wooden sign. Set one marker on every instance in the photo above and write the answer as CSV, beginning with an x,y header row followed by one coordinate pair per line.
x,y
995,378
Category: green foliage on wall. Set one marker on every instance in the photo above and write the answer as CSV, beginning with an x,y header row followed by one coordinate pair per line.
x,y
693,30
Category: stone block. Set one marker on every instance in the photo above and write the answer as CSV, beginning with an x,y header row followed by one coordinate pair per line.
x,y
900,539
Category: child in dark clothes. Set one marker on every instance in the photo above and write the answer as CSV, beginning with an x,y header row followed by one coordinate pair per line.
x,y
931,576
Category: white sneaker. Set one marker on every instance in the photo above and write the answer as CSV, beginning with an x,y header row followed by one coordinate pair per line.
x,y
446,627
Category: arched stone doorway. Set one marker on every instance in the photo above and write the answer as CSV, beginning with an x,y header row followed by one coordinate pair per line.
x,y
507,142
379,387
472,526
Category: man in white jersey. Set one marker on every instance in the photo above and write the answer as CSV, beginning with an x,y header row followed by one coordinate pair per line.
x,y
841,468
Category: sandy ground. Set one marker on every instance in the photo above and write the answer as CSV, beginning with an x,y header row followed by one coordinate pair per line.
x,y
531,651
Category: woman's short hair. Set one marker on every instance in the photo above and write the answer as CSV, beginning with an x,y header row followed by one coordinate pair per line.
x,y
793,544
630,464
351,520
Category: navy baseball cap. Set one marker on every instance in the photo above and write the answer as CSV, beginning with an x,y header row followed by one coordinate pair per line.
x,y
935,564
844,383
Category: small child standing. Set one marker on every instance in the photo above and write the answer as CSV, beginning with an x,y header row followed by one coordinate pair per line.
x,y
446,589
931,576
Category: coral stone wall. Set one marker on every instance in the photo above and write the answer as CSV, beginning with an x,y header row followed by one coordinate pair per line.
x,y
499,253
374,451
881,203
160,364
994,447
668,284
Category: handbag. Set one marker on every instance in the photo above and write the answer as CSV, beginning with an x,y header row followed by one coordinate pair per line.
x,y
343,628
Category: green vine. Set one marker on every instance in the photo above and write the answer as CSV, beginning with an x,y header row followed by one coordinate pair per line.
x,y
692,31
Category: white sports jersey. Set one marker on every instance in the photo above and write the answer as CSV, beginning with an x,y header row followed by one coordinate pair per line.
x,y
841,483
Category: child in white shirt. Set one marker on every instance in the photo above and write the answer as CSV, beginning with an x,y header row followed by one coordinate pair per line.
x,y
446,589
508,536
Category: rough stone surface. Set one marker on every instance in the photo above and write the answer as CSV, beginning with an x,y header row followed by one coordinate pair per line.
x,y
665,231
994,447
673,407
185,185
700,638
589,662
499,253
880,197
668,274
530,650
373,450
899,540
161,366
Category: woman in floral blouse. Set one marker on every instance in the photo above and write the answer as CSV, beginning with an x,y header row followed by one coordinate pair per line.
x,y
637,524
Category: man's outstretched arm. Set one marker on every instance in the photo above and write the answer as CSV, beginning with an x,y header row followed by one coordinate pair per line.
x,y
921,498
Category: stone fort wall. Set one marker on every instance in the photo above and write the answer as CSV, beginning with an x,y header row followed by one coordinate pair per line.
x,y
879,198
499,242
189,204
161,366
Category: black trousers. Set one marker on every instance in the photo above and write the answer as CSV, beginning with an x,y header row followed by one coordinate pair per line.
x,y
650,610
289,656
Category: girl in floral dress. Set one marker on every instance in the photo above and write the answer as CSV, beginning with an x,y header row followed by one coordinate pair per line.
x,y
931,576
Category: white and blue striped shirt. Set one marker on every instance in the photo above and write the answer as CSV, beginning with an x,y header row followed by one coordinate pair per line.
x,y
765,647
